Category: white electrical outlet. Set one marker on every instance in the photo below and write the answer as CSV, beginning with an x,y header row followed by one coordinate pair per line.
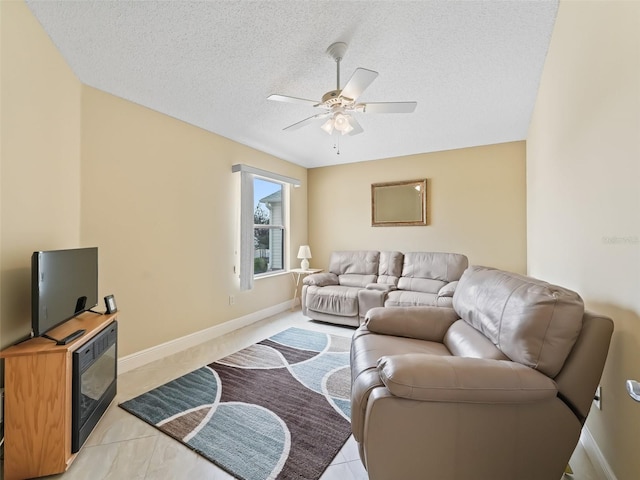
x,y
232,300
597,399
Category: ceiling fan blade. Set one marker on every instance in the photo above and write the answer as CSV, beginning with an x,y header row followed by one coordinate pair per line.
x,y
306,121
288,99
358,82
357,128
388,107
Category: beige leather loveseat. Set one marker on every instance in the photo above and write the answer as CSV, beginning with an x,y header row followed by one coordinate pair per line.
x,y
496,388
362,279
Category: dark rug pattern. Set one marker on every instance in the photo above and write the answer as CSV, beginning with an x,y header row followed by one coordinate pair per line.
x,y
278,409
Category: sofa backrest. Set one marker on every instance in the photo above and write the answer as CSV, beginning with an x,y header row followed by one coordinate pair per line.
x,y
356,268
390,267
429,271
531,321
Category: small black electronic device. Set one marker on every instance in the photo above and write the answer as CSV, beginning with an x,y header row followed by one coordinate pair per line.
x,y
110,304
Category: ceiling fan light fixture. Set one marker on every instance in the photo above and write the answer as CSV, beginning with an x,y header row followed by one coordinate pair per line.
x,y
341,123
347,129
328,126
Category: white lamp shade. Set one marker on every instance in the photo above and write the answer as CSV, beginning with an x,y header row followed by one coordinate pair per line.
x,y
339,121
342,123
304,252
328,126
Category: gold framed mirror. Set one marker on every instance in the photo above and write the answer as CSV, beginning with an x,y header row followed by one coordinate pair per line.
x,y
396,204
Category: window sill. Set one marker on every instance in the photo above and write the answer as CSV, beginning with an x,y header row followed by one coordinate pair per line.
x,y
279,273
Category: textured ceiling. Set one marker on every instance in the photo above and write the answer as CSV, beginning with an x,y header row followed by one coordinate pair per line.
x,y
472,66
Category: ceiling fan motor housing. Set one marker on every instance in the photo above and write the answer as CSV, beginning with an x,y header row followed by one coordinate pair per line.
x,y
332,98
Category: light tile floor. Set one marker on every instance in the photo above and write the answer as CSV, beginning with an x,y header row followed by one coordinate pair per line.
x,y
124,447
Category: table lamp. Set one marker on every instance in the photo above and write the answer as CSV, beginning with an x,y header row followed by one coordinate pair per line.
x,y
304,253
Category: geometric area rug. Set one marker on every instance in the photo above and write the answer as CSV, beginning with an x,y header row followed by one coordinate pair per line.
x,y
278,409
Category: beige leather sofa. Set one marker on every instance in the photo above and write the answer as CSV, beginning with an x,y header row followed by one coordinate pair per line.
x,y
362,279
496,388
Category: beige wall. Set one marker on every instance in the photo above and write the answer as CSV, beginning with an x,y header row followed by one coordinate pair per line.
x,y
156,195
475,205
161,203
583,182
39,159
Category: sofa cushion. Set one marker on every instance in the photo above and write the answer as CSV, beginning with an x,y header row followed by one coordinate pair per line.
x,y
402,298
333,299
321,279
465,341
448,290
390,267
361,262
426,285
444,302
531,321
356,280
381,287
446,267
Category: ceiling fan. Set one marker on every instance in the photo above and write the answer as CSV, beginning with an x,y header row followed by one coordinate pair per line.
x,y
340,104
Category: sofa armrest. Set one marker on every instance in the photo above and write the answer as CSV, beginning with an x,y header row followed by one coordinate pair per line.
x,y
435,378
321,279
382,287
448,290
370,298
424,323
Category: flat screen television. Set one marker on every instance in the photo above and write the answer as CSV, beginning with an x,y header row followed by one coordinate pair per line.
x,y
64,284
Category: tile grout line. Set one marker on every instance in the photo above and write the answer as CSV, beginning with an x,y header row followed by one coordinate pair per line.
x,y
155,447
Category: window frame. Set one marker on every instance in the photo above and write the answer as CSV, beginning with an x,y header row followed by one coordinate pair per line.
x,y
246,230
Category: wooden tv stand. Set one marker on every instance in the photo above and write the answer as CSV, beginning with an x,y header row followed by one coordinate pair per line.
x,y
37,420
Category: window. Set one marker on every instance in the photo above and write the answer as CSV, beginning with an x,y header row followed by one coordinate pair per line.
x,y
263,222
268,226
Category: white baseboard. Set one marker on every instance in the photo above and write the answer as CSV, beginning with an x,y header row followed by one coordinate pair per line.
x,y
152,354
602,467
